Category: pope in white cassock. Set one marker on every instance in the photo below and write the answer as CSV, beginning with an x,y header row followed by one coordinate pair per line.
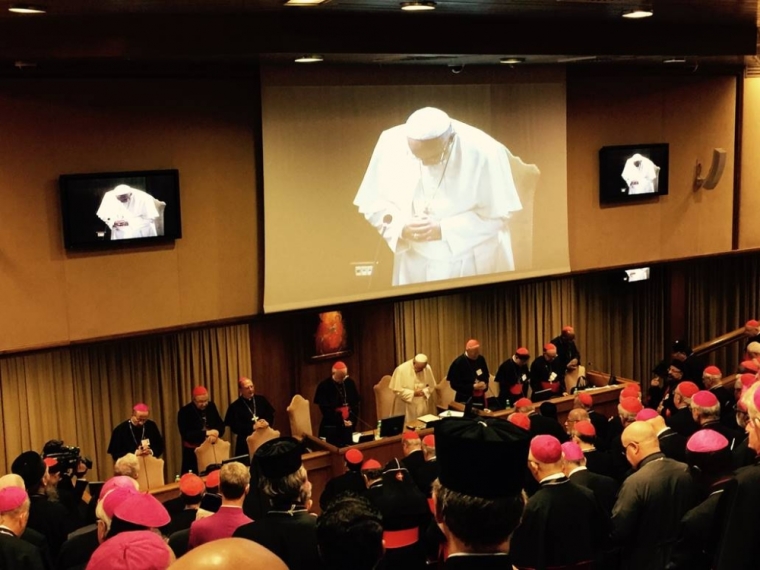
x,y
414,385
128,212
440,193
640,174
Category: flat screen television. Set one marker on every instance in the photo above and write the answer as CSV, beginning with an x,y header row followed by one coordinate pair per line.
x,y
632,172
116,209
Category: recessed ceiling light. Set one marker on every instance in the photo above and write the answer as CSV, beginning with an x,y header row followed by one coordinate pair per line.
x,y
304,2
418,6
512,60
310,58
638,14
27,9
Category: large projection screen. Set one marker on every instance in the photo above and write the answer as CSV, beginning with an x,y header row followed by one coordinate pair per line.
x,y
362,202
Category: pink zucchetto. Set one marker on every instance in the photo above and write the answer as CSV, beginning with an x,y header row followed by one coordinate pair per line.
x,y
12,498
706,441
546,449
646,414
143,509
704,399
572,451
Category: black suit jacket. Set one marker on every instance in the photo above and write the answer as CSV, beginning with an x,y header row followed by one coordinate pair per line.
x,y
673,445
600,462
683,423
17,554
604,488
541,425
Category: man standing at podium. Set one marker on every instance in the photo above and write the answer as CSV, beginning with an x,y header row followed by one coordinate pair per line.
x,y
414,385
250,411
137,435
197,421
338,400
468,375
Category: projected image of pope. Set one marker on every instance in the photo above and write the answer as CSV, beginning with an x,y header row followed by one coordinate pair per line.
x,y
129,213
440,193
640,174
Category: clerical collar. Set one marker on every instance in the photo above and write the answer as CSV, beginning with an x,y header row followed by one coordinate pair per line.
x,y
551,478
651,458
5,530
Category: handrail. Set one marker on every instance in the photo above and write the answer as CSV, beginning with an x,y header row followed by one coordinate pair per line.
x,y
719,342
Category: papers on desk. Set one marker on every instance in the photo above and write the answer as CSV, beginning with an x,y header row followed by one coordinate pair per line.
x,y
451,414
427,418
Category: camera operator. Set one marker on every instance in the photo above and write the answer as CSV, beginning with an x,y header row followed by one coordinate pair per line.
x,y
67,469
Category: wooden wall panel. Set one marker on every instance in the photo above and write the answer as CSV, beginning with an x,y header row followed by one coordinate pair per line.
x,y
281,367
204,128
694,115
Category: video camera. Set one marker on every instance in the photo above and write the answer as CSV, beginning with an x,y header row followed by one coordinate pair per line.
x,y
68,456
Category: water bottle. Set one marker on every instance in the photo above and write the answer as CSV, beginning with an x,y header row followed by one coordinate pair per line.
x,y
176,478
379,426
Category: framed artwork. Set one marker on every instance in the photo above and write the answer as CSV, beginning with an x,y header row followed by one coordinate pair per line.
x,y
329,336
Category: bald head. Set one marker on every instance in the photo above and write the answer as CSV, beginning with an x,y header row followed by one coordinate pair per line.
x,y
574,416
229,553
657,423
640,441
11,480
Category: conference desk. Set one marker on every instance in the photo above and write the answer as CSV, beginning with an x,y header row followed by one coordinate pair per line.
x,y
325,461
383,450
605,400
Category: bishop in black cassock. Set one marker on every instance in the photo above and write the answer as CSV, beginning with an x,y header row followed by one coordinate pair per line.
x,y
467,371
128,436
338,400
249,410
194,421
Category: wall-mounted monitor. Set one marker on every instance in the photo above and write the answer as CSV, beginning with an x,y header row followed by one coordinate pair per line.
x,y
113,209
632,172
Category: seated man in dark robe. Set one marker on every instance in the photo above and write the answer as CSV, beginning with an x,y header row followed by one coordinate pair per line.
x,y
350,534
708,453
350,482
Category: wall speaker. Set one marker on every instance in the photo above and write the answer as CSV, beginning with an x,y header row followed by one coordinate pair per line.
x,y
716,169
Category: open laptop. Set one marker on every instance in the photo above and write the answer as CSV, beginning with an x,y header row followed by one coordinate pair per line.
x,y
393,425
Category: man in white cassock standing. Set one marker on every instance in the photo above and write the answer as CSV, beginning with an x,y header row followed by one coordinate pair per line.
x,y
440,192
414,385
640,174
129,213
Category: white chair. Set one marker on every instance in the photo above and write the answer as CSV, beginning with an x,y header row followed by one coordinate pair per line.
x,y
299,415
520,223
259,437
209,453
445,394
151,472
384,398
